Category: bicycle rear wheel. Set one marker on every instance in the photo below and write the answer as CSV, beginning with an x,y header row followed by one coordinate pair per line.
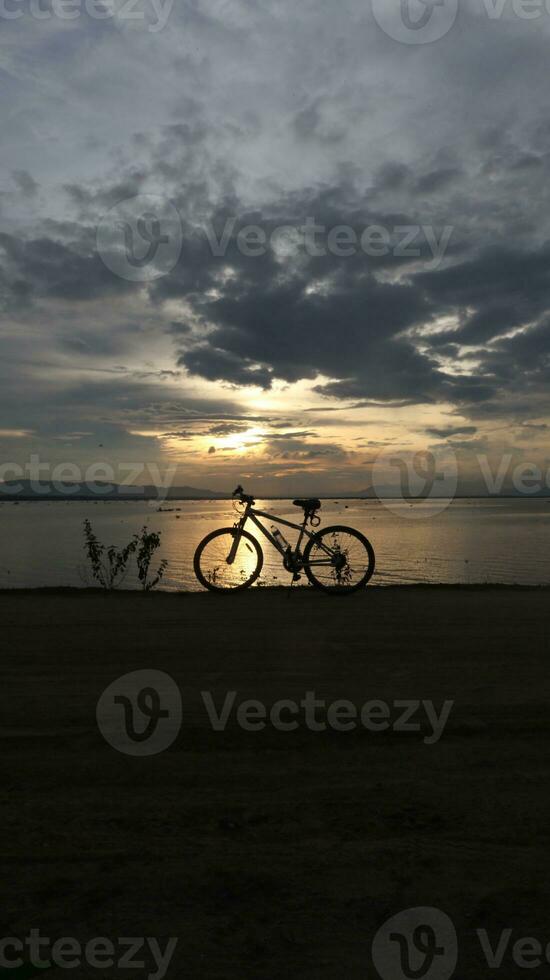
x,y
211,561
347,557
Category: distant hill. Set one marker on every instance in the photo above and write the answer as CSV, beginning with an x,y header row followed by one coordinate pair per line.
x,y
15,490
48,490
466,492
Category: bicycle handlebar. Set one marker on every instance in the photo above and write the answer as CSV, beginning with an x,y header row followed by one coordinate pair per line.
x,y
243,497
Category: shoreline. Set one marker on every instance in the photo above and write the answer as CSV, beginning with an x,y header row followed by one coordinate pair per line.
x,y
75,591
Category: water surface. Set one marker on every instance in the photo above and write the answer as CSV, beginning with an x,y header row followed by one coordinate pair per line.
x,y
469,541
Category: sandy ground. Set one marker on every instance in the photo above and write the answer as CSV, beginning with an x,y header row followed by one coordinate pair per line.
x,y
274,854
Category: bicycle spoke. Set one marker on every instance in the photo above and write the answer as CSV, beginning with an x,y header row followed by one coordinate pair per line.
x,y
349,563
222,574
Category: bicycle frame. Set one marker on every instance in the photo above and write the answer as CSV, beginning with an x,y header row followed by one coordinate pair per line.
x,y
251,514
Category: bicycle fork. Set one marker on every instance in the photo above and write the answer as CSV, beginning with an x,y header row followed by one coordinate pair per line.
x,y
236,541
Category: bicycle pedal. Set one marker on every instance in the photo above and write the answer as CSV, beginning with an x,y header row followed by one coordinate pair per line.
x,y
296,577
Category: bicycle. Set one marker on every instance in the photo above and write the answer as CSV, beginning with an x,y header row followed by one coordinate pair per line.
x,y
337,559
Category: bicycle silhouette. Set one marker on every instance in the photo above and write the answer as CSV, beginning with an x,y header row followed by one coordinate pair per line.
x,y
337,559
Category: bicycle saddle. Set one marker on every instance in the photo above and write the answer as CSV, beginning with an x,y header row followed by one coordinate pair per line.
x,y
309,506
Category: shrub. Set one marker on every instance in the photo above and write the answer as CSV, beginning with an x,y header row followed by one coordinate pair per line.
x,y
110,565
147,543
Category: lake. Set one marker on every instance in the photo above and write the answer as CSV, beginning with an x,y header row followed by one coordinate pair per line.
x,y
464,541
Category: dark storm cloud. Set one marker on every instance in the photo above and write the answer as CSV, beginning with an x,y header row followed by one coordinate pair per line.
x,y
521,361
268,323
222,365
505,287
37,268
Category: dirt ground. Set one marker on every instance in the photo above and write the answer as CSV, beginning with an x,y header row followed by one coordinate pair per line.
x,y
270,853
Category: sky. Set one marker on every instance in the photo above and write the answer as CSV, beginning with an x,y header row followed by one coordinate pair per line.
x,y
273,243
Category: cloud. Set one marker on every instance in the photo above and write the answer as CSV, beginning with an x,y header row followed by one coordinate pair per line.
x,y
299,449
436,180
25,183
228,428
338,123
452,430
43,268
216,364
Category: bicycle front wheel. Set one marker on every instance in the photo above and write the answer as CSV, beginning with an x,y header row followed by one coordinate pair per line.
x,y
219,571
339,560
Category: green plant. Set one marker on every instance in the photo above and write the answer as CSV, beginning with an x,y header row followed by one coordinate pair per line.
x,y
147,543
109,565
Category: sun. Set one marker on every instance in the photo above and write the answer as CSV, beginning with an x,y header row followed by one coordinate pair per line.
x,y
250,439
